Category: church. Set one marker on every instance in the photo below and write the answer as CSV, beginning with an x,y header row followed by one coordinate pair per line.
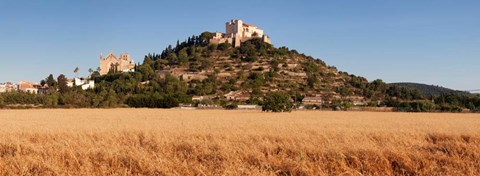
x,y
118,64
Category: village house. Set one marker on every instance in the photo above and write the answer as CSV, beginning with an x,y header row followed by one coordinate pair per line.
x,y
9,87
84,84
249,107
3,87
237,32
204,97
41,89
237,96
357,100
28,87
112,63
315,100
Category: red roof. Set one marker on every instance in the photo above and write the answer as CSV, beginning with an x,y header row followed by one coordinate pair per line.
x,y
245,24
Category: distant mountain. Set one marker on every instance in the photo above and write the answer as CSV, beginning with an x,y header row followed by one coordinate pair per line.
x,y
429,90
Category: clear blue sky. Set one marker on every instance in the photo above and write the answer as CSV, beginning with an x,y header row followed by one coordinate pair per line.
x,y
432,41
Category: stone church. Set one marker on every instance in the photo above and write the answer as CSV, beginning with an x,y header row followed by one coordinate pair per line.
x,y
119,64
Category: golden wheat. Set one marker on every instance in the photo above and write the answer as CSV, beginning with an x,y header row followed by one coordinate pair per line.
x,y
217,142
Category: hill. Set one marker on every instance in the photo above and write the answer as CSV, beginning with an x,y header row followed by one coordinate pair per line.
x,y
429,90
247,73
197,73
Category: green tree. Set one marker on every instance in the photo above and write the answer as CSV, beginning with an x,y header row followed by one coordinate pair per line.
x,y
231,106
277,102
62,83
90,70
206,64
52,100
1,101
212,47
224,46
43,82
183,56
471,106
147,72
51,81
312,80
110,100
205,38
172,59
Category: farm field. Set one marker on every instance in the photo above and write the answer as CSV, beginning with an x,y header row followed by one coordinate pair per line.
x,y
220,142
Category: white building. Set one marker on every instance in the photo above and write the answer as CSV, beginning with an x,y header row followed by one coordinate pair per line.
x,y
85,84
8,87
28,87
3,88
249,107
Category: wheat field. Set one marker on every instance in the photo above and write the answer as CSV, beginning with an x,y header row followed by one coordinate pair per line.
x,y
219,142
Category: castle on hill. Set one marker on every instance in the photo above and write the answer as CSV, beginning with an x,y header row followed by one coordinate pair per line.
x,y
237,32
117,64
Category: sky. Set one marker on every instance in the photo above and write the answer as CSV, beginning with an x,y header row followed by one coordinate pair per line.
x,y
435,42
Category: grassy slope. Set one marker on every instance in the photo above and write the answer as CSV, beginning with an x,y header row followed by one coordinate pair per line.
x,y
183,142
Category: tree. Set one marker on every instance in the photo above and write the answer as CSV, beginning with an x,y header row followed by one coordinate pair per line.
x,y
43,82
183,57
223,46
76,70
277,102
471,106
206,64
90,70
147,72
110,99
212,47
312,80
1,101
205,38
52,84
172,59
113,68
62,83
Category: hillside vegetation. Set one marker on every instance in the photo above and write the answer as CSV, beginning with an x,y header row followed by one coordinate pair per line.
x,y
194,72
429,90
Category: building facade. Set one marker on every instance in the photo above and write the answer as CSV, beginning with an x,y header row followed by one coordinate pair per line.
x,y
236,32
3,88
28,87
80,82
8,87
118,64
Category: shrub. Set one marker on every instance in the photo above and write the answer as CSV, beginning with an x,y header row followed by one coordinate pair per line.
x,y
212,47
231,106
152,101
223,46
277,102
